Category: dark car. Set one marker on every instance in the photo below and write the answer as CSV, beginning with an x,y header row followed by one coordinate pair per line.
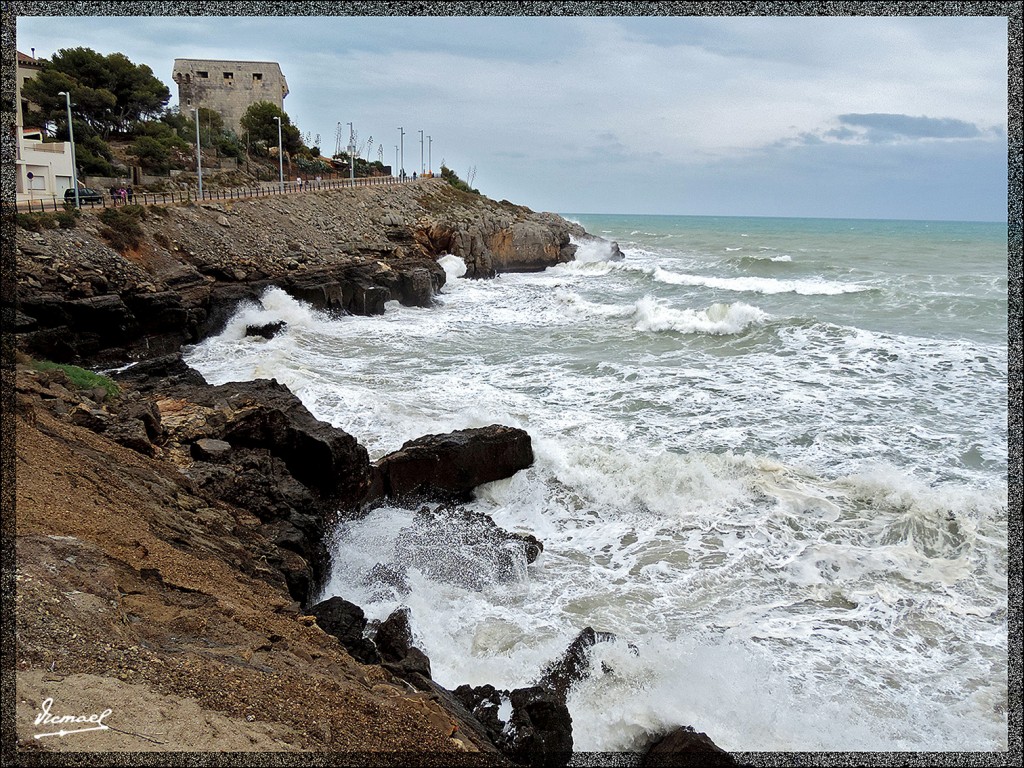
x,y
85,195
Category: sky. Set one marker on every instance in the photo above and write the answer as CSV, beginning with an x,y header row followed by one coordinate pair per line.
x,y
842,117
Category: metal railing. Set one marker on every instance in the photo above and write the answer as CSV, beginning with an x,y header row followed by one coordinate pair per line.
x,y
54,203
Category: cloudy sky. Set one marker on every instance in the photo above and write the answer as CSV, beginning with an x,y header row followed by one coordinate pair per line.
x,y
852,117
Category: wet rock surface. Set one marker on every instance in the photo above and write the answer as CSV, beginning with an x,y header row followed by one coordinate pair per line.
x,y
684,746
452,545
450,466
536,729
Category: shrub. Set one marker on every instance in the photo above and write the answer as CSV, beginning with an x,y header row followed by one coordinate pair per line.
x,y
151,153
68,218
36,222
452,178
123,230
80,377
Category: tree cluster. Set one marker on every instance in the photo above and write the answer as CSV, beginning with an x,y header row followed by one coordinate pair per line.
x,y
112,98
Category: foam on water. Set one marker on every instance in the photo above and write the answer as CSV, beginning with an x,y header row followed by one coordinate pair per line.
x,y
799,521
655,315
760,284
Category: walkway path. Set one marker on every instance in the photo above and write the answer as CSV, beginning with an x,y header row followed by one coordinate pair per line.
x,y
263,189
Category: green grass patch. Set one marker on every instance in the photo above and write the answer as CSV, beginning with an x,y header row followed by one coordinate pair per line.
x,y
80,377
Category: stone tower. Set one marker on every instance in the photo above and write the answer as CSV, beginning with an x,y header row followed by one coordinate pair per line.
x,y
228,87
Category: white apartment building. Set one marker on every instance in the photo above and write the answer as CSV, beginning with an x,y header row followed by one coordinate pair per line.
x,y
44,169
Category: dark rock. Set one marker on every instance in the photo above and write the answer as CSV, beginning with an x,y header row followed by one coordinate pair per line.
x,y
574,665
90,418
540,732
452,465
267,330
132,433
23,323
485,703
414,667
284,465
417,288
160,371
470,728
685,747
265,414
346,621
454,545
209,449
394,636
388,577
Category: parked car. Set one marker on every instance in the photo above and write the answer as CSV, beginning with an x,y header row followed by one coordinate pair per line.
x,y
85,195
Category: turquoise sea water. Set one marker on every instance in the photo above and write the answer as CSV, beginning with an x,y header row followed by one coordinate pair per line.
x,y
771,453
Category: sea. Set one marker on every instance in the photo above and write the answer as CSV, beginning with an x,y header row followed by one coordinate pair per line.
x,y
770,458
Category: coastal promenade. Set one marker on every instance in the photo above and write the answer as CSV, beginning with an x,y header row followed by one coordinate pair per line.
x,y
263,189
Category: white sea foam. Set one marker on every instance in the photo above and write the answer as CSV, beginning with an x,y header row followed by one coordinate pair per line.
x,y
454,267
593,250
657,315
760,284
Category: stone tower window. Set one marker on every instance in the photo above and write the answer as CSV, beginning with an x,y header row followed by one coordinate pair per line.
x,y
202,74
229,75
257,77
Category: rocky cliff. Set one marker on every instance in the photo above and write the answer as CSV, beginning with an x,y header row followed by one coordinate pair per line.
x,y
188,265
171,536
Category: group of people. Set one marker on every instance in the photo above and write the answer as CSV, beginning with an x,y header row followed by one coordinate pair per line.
x,y
122,194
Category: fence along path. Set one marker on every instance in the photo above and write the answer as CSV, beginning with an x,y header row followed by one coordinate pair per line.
x,y
55,203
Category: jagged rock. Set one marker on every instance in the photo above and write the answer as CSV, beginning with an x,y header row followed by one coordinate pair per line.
x,y
209,449
346,621
267,330
686,747
393,638
456,546
283,464
574,665
394,635
453,464
388,577
485,703
540,732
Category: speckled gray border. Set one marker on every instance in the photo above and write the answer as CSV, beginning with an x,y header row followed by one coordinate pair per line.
x,y
14,8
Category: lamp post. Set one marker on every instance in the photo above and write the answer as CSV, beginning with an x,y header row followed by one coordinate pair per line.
x,y
199,155
421,152
351,156
430,164
401,143
395,171
71,137
280,155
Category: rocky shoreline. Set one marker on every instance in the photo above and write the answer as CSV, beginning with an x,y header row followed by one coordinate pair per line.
x,y
172,539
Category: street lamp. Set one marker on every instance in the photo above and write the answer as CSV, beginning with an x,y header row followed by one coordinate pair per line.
x,y
421,153
430,165
401,143
71,136
199,155
280,154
